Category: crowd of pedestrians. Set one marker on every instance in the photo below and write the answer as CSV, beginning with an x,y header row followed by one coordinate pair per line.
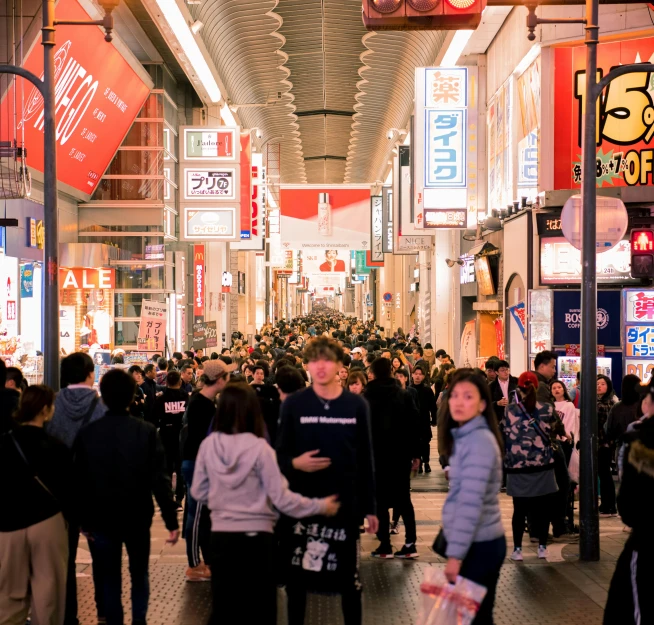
x,y
283,451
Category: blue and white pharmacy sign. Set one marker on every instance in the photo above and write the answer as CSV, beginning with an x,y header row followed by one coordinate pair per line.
x,y
446,147
638,339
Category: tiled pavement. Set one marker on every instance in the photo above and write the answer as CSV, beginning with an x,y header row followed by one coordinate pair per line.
x,y
560,591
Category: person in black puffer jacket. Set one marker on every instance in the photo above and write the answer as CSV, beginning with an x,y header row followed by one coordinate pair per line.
x,y
605,449
630,601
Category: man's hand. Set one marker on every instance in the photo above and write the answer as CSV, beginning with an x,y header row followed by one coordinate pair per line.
x,y
415,464
503,402
452,569
309,464
173,537
373,524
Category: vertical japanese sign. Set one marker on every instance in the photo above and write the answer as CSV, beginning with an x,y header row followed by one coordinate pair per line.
x,y
387,204
198,282
152,329
446,147
638,339
246,185
376,229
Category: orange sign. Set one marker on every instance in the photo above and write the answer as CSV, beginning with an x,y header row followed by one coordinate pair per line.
x,y
82,278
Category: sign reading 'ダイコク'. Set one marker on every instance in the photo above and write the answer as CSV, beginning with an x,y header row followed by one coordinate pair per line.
x,y
625,124
97,97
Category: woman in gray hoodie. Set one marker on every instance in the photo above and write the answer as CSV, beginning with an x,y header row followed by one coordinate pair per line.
x,y
472,524
237,477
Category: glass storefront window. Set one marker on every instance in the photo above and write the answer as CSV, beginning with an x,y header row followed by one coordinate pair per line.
x,y
134,162
153,107
146,276
144,133
130,189
133,246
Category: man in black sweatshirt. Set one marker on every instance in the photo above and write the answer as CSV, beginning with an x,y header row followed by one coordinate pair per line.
x,y
396,445
324,448
120,464
427,410
169,408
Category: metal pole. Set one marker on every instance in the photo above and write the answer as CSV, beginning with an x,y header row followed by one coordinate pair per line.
x,y
50,319
589,547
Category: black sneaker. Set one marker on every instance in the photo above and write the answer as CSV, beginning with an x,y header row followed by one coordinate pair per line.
x,y
427,468
383,551
407,552
420,469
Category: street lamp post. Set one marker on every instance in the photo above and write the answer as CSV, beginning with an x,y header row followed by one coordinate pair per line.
x,y
50,317
589,544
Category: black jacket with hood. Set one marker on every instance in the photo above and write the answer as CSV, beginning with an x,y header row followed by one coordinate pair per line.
x,y
8,404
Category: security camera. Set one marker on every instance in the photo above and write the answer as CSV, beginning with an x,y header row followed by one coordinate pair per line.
x,y
390,134
259,133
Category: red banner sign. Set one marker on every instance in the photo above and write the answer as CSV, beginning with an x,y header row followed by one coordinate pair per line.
x,y
625,116
82,278
198,281
246,150
97,97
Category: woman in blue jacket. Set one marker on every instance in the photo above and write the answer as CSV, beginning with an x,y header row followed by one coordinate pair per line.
x,y
472,524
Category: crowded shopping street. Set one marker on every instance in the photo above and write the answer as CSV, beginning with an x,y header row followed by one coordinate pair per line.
x,y
326,311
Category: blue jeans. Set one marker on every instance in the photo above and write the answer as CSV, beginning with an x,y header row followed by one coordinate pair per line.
x,y
482,565
197,530
107,557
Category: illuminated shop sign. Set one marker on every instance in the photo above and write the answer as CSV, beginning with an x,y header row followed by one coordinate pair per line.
x,y
377,228
209,223
638,338
210,144
210,184
83,278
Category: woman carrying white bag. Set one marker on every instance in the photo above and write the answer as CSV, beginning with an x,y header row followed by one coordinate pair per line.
x,y
472,538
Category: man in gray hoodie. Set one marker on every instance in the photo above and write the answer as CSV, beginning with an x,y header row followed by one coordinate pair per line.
x,y
75,405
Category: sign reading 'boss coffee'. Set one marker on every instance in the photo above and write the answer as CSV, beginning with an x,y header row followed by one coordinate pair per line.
x,y
97,97
567,318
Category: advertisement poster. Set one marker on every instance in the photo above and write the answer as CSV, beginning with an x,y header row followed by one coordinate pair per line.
x,y
625,124
567,318
26,280
98,96
345,218
325,261
67,329
205,335
500,191
528,88
152,329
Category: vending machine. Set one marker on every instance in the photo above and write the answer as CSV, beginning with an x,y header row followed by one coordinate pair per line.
x,y
569,366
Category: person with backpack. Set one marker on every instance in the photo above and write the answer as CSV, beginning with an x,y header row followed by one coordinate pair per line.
x,y
37,492
77,404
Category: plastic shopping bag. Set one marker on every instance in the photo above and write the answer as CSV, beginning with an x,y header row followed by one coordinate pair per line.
x,y
573,466
443,603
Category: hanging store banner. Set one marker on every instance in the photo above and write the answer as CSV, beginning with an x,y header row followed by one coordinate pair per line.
x,y
26,280
210,144
198,281
246,184
97,97
498,122
152,329
316,217
377,228
210,184
360,266
519,315
638,337
446,145
625,125
258,181
529,99
387,220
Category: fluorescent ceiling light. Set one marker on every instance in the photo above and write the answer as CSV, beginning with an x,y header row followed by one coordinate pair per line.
x,y
458,43
183,34
228,116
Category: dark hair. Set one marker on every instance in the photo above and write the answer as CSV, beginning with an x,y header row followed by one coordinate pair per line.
x,y
491,365
118,360
255,368
289,379
263,365
214,355
566,395
149,367
440,352
417,348
185,366
76,368
323,348
15,375
501,363
188,353
422,368
117,389
3,373
226,359
542,358
381,368
608,396
162,363
356,375
239,411
32,400
135,369
631,390
445,439
402,371
173,378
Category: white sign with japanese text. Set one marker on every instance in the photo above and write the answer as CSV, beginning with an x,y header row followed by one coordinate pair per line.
x,y
376,229
210,184
152,329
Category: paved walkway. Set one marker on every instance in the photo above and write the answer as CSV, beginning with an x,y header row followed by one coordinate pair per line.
x,y
560,591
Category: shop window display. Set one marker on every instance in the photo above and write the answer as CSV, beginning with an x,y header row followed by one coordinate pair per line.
x,y
87,319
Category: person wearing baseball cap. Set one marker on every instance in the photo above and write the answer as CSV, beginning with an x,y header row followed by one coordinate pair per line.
x,y
529,427
357,354
200,411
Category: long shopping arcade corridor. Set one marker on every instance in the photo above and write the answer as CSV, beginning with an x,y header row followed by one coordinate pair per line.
x,y
559,591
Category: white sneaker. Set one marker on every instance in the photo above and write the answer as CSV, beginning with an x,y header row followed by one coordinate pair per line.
x,y
516,556
542,552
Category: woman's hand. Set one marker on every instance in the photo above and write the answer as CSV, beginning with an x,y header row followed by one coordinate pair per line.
x,y
452,569
332,505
